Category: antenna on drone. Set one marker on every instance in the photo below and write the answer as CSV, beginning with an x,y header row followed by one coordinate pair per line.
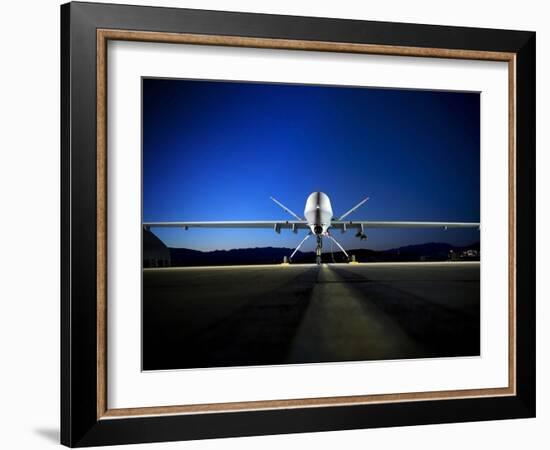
x,y
286,209
354,208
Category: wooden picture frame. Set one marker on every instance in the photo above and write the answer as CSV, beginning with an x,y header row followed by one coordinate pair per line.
x,y
86,418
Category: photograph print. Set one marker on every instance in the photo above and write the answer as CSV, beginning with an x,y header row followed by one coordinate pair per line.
x,y
300,224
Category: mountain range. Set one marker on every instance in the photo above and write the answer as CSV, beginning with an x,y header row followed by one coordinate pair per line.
x,y
432,251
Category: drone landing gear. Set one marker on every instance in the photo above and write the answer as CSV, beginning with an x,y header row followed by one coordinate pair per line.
x,y
339,246
299,245
318,250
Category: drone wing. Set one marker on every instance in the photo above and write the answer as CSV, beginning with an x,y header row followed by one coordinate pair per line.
x,y
276,225
362,224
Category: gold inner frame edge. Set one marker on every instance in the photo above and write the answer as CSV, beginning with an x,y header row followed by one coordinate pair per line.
x,y
103,36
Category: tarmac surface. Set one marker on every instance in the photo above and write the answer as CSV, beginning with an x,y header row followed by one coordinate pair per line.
x,y
256,315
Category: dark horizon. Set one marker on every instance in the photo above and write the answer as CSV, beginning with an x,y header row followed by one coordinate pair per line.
x,y
472,244
430,251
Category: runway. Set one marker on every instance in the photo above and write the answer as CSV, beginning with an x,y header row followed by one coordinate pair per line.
x,y
258,315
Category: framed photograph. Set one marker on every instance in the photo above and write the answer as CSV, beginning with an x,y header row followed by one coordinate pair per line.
x,y
276,224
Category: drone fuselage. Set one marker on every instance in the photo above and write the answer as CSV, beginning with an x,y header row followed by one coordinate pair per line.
x,y
318,213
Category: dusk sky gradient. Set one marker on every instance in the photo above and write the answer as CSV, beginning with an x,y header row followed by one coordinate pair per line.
x,y
219,150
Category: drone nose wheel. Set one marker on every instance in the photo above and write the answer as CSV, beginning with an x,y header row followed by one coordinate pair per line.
x,y
318,250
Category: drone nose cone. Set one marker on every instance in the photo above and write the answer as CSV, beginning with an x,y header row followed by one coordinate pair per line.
x,y
318,229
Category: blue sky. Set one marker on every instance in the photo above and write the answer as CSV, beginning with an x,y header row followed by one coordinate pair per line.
x,y
219,150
